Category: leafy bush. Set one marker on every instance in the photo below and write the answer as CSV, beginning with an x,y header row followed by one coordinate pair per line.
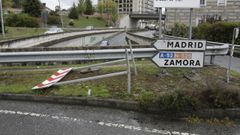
x,y
146,99
21,20
54,20
218,32
71,23
177,101
179,30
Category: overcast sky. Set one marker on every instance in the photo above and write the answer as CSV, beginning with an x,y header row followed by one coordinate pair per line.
x,y
65,4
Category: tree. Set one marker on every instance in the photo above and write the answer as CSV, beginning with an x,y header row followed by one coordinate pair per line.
x,y
110,8
81,7
114,13
89,8
32,7
73,12
100,7
17,3
7,3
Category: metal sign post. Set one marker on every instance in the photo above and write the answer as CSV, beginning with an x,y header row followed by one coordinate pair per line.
x,y
160,23
235,36
128,72
190,24
132,57
2,23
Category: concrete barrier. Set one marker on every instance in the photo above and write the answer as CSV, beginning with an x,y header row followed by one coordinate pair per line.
x,y
51,38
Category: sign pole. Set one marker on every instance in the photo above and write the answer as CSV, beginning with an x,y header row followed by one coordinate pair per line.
x,y
132,57
160,23
235,35
190,24
128,71
2,23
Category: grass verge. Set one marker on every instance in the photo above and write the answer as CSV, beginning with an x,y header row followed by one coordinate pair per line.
x,y
18,32
171,90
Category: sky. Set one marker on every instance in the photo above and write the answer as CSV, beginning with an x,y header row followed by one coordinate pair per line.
x,y
65,4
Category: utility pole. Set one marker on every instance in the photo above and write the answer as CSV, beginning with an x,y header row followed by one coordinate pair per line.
x,y
60,12
2,22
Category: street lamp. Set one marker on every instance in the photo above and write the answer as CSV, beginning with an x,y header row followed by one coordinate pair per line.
x,y
2,23
60,12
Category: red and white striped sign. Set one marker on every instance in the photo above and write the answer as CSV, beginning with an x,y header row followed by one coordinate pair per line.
x,y
53,79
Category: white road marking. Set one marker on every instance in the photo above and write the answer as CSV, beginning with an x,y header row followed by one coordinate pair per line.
x,y
101,123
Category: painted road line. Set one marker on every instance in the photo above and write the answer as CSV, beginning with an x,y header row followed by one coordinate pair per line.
x,y
101,123
53,79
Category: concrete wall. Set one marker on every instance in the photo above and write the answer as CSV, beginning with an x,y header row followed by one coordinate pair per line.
x,y
39,40
127,22
230,12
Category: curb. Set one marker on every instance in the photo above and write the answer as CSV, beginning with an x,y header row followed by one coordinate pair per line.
x,y
122,105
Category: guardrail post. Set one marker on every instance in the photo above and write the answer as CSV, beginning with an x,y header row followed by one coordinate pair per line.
x,y
129,72
212,60
133,58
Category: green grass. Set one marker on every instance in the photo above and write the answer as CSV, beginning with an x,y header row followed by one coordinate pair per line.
x,y
83,22
18,32
147,86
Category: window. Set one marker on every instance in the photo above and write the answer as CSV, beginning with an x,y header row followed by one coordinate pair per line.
x,y
203,2
222,2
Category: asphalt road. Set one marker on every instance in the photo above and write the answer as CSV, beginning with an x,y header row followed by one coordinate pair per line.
x,y
26,118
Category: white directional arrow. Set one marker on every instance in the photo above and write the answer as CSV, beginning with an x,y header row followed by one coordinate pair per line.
x,y
179,59
199,45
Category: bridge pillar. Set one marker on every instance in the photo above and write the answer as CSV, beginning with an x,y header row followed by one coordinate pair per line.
x,y
126,22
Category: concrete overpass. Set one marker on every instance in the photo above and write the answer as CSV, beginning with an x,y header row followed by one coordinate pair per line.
x,y
131,20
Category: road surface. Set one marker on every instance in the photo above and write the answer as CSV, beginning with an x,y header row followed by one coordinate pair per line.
x,y
26,118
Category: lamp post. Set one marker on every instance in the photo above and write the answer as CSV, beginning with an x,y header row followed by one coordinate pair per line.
x,y
2,23
60,12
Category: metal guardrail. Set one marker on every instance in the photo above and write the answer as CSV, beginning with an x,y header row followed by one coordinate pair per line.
x,y
149,41
88,55
213,48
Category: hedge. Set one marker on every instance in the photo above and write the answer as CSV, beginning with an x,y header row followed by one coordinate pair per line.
x,y
217,32
21,20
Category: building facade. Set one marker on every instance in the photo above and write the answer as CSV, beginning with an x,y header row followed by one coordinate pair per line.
x,y
135,6
225,10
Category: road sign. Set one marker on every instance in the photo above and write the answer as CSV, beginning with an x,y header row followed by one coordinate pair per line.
x,y
53,79
177,3
179,59
198,45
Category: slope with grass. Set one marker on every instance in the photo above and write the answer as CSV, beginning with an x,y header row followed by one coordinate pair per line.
x,y
173,89
85,21
20,32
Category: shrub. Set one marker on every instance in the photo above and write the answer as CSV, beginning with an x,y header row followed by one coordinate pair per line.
x,y
71,23
146,99
177,101
218,32
54,20
179,30
21,20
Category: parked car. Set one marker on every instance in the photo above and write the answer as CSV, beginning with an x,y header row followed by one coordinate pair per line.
x,y
53,30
